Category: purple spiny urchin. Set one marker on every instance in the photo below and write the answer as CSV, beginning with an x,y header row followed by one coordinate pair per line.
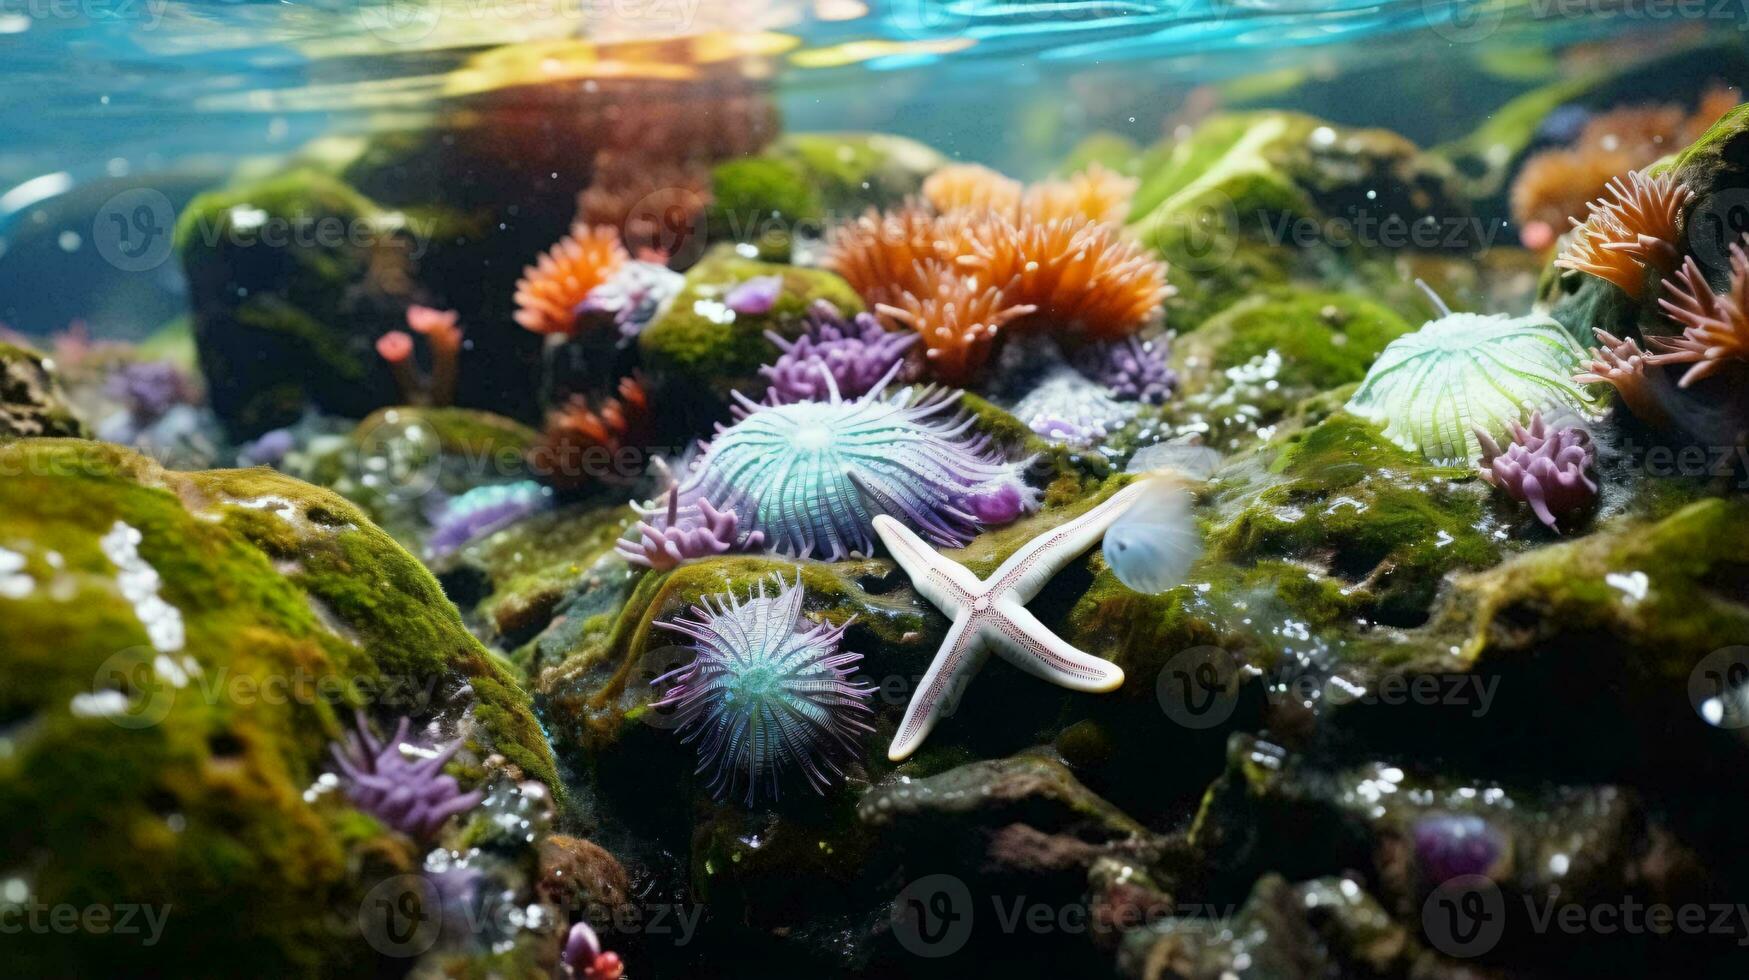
x,y
1132,368
857,353
766,692
412,795
1546,469
811,476
705,531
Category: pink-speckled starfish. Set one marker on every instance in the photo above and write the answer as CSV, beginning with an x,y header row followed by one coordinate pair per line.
x,y
991,614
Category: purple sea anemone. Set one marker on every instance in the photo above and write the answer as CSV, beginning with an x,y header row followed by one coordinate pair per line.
x,y
756,296
1134,369
1451,846
766,692
586,960
149,389
633,295
483,510
1542,468
858,354
811,476
412,795
708,531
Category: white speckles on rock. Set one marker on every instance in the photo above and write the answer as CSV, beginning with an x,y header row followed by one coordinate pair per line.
x,y
14,583
139,584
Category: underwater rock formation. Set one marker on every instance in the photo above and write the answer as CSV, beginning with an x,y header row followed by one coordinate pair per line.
x,y
185,708
31,400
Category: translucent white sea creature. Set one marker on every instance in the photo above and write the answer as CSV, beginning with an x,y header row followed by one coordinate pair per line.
x,y
1152,546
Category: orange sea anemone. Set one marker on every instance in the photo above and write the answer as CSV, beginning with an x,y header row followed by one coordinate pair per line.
x,y
957,316
1715,326
1082,276
549,292
1096,192
1621,364
586,443
879,253
1635,225
970,187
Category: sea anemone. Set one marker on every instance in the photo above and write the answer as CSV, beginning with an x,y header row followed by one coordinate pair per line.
x,y
857,354
709,532
481,511
1544,468
1081,276
970,187
585,442
550,292
1635,225
766,692
1096,193
149,389
1068,408
1133,369
1715,326
1430,389
633,296
879,253
810,476
584,957
1622,365
410,794
957,316
756,296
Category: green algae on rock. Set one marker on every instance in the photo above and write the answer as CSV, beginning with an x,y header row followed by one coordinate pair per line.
x,y
31,400
227,623
699,348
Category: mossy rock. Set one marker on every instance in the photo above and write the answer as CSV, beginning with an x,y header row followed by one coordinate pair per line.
x,y
1254,199
31,400
700,350
762,200
179,651
1248,366
1381,523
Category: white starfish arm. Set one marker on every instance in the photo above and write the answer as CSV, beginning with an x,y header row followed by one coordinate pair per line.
x,y
1027,570
962,653
944,582
1030,645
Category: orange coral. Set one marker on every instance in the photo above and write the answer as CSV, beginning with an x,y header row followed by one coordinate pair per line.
x,y
1715,327
549,292
879,253
585,443
1082,276
970,187
1635,225
1097,193
957,316
1622,365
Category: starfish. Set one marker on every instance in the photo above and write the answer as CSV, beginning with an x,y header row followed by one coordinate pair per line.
x,y
991,614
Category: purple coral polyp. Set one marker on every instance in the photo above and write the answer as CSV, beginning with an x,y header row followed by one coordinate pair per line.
x,y
704,531
756,296
857,354
1546,469
413,796
1132,368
